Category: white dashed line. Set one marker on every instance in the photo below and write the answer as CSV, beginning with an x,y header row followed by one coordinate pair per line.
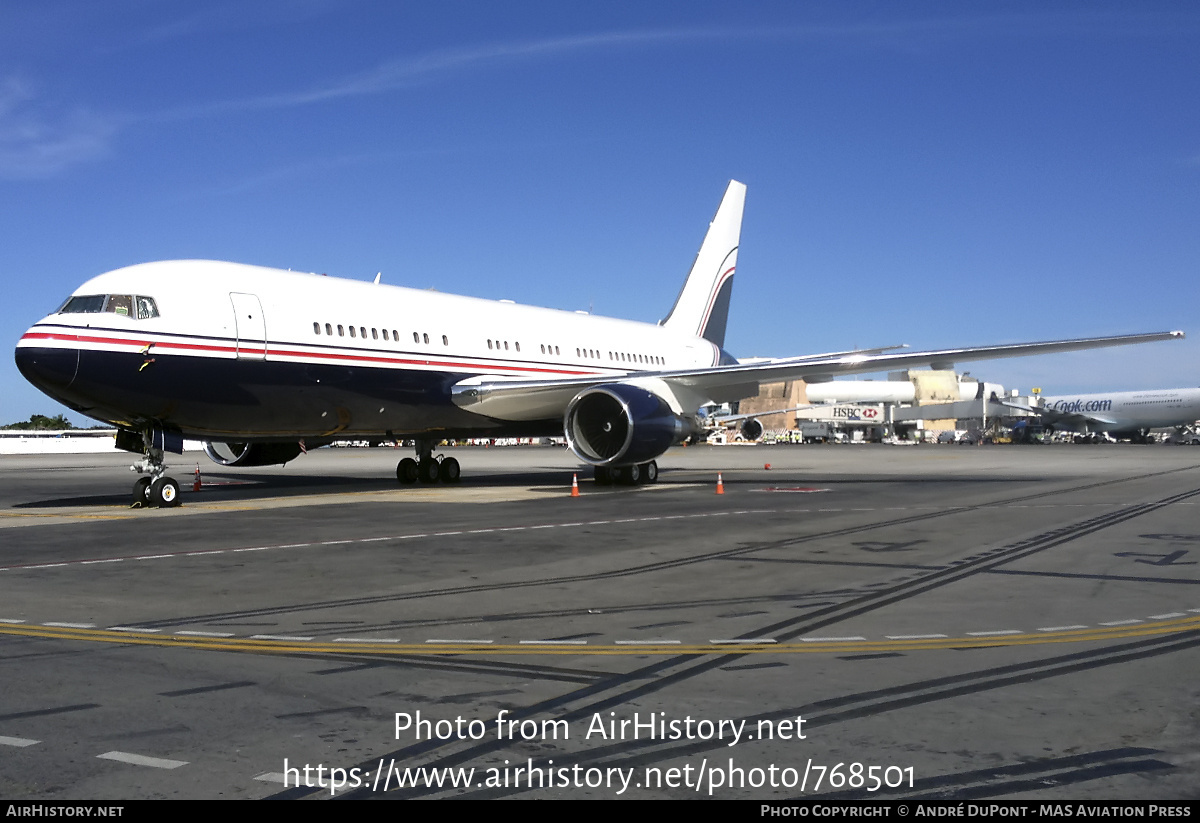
x,y
19,742
273,777
142,760
544,642
1061,628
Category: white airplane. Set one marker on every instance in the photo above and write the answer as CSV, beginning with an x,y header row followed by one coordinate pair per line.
x,y
1127,414
263,363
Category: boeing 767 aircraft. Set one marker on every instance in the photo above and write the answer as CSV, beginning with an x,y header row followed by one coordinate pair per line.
x,y
262,363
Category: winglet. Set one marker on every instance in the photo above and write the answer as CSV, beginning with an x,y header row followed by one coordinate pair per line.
x,y
702,307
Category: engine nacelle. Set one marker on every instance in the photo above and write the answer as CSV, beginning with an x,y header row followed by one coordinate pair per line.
x,y
251,454
620,425
751,429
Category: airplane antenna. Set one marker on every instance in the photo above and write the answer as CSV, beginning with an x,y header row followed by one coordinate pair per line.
x,y
377,276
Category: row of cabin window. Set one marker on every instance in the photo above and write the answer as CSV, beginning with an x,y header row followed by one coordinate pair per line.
x,y
362,332
651,359
624,357
492,344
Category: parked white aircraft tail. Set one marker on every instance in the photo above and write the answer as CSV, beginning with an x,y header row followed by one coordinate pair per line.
x,y
702,307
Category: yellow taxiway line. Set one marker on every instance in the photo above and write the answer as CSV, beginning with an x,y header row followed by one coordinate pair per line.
x,y
134,637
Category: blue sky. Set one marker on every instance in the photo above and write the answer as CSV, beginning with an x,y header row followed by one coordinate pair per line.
x,y
936,174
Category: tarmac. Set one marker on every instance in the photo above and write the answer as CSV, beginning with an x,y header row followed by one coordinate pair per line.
x,y
854,621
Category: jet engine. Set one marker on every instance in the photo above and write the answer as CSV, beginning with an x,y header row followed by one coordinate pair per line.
x,y
751,429
251,454
621,425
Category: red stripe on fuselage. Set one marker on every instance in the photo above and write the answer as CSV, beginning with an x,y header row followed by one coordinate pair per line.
x,y
278,352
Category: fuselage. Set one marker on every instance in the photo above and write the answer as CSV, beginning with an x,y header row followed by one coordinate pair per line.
x,y
227,351
1129,411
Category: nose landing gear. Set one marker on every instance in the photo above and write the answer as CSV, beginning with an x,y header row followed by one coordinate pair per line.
x,y
157,490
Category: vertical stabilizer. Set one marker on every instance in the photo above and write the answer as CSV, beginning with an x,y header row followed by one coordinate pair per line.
x,y
702,307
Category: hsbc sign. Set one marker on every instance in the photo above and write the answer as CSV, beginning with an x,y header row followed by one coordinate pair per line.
x,y
866,414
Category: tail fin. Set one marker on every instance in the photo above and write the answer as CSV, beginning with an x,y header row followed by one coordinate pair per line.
x,y
702,307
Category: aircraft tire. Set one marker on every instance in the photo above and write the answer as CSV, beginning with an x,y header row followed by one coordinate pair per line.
x,y
164,493
630,475
650,472
141,492
449,471
427,471
603,476
406,470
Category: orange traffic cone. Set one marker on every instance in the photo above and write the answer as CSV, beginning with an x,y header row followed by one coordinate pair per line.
x,y
767,466
720,484
196,483
574,485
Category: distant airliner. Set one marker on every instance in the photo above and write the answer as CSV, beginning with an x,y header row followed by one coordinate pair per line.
x,y
1130,414
263,363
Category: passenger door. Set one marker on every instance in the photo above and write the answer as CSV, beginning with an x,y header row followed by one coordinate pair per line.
x,y
250,325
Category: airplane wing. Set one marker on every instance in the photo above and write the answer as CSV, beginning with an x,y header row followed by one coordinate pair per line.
x,y
726,419
757,361
524,399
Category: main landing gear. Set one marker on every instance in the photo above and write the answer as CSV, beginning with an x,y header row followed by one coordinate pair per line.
x,y
156,491
427,468
635,475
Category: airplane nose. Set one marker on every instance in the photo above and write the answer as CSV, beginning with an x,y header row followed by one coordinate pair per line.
x,y
51,370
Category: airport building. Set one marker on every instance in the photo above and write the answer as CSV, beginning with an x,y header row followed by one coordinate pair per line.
x,y
908,404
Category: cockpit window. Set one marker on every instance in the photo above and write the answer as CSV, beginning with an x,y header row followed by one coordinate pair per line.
x,y
126,305
119,304
84,304
146,308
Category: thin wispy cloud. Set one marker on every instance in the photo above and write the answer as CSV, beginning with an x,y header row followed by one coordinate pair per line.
x,y
421,69
38,141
